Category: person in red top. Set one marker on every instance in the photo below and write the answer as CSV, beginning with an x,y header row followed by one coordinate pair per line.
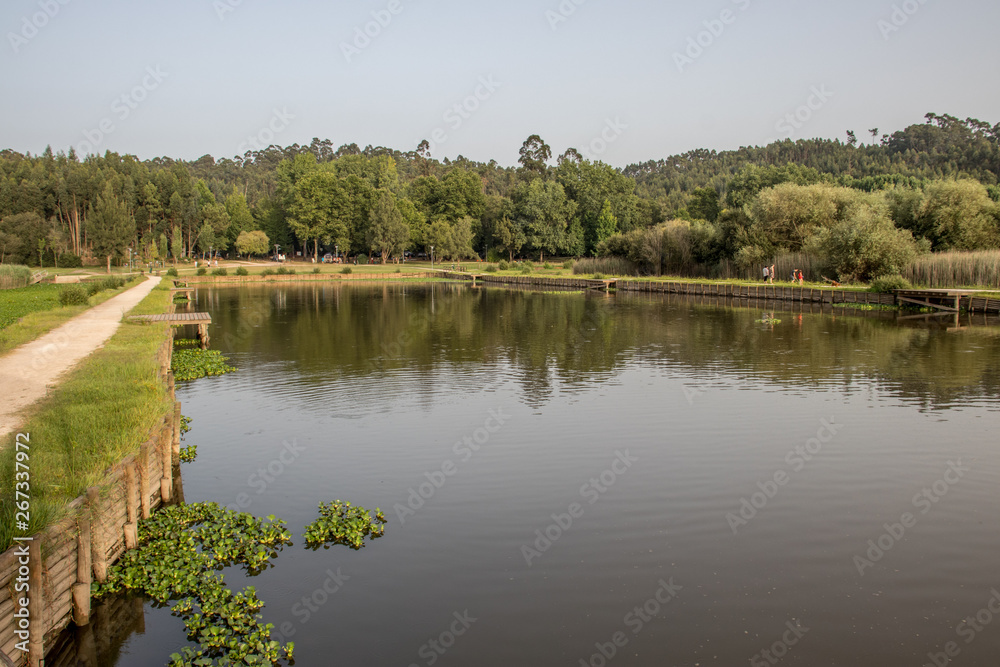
x,y
801,277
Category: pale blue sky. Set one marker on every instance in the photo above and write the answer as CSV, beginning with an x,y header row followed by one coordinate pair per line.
x,y
236,69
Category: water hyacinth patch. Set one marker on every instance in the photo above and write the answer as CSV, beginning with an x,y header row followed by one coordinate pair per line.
x,y
194,364
339,523
181,549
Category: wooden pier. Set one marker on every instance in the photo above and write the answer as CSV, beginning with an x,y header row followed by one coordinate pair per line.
x,y
180,319
944,300
186,291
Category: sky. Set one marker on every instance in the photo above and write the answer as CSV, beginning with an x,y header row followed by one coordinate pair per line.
x,y
623,82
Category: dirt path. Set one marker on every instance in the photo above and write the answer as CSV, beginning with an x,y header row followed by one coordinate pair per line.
x,y
27,372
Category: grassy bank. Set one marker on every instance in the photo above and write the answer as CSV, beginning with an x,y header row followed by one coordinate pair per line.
x,y
98,415
30,312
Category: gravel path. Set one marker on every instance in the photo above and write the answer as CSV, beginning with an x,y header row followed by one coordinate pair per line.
x,y
27,372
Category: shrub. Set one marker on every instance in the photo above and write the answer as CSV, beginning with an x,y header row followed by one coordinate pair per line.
x,y
242,271
220,272
492,268
113,282
70,261
316,270
267,272
398,271
172,272
526,270
547,266
203,271
74,295
503,265
347,271
285,271
598,276
93,288
362,260
527,263
568,264
888,284
493,255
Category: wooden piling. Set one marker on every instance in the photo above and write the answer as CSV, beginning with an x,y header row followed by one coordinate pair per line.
x,y
81,589
36,605
98,552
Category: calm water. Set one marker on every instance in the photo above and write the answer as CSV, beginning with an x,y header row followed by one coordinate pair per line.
x,y
646,422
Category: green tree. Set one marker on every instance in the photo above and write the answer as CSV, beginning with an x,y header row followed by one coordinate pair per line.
x,y
864,246
959,215
388,233
607,224
110,226
535,153
177,243
704,204
319,210
253,243
546,212
240,217
161,248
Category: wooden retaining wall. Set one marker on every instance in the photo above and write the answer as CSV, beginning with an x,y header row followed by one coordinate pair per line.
x,y
725,290
99,527
302,277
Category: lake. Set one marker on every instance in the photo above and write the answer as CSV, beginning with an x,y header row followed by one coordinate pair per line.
x,y
590,479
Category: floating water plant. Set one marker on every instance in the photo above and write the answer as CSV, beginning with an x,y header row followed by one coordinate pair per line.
x,y
188,454
194,364
181,549
339,523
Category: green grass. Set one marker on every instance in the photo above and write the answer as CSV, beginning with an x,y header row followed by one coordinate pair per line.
x,y
36,313
102,412
16,303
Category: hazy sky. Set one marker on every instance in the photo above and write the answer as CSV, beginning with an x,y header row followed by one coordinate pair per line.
x,y
183,78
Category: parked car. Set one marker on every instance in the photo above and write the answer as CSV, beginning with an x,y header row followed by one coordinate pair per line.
x,y
328,258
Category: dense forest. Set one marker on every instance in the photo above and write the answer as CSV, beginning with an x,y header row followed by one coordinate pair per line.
x,y
931,186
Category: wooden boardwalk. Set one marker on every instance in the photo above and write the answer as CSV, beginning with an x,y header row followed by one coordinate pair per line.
x,y
945,300
202,320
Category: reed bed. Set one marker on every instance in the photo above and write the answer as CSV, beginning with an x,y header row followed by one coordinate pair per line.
x,y
956,269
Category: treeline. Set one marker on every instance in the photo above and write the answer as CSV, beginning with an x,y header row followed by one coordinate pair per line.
x,y
739,206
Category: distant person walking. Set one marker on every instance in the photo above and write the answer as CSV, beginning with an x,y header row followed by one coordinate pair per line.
x,y
771,280
801,277
767,274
